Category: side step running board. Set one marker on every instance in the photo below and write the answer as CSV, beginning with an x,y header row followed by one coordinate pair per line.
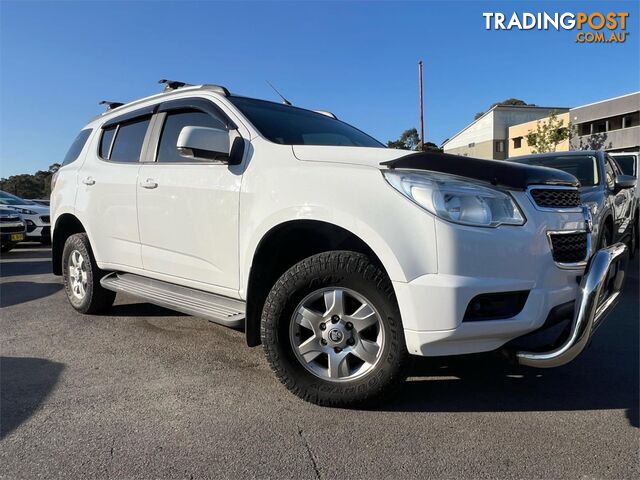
x,y
223,310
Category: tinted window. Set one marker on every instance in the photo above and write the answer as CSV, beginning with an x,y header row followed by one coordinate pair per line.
x,y
174,124
295,126
583,167
627,164
105,142
76,147
128,143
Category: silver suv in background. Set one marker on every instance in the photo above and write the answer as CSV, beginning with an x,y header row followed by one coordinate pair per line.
x,y
605,189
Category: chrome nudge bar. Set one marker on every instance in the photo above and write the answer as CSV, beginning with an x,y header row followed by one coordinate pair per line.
x,y
600,290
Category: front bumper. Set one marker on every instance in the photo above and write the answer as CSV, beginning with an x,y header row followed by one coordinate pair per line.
x,y
600,291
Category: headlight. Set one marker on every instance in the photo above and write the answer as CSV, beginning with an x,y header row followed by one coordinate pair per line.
x,y
455,200
24,211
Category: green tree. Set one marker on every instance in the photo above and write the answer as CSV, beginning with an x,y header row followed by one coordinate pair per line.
x,y
26,185
508,101
548,134
410,140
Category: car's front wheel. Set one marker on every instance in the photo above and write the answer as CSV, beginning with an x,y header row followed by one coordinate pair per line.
x,y
82,276
332,333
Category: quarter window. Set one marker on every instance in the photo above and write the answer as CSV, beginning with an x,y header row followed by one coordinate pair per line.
x,y
128,142
173,125
105,142
76,147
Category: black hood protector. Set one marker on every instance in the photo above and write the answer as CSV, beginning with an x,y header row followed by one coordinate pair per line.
x,y
502,173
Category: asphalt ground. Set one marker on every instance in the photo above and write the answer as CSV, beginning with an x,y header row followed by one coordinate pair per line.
x,y
144,392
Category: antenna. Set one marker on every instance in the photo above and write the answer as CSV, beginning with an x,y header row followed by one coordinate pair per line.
x,y
284,100
111,105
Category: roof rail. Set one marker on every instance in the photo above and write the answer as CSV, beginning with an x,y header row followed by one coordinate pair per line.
x,y
170,85
327,114
173,84
111,105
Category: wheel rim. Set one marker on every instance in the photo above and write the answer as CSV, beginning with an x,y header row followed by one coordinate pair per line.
x,y
77,274
337,334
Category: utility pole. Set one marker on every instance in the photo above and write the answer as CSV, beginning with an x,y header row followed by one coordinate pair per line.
x,y
421,106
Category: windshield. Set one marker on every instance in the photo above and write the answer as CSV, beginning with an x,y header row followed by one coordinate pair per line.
x,y
288,125
627,164
583,167
8,199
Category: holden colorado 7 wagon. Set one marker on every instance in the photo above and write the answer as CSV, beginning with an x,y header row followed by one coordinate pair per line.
x,y
341,257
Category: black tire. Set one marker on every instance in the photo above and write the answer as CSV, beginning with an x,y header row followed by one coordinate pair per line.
x,y
605,238
7,247
95,298
342,269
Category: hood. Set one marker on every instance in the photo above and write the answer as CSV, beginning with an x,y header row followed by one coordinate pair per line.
x,y
511,175
367,156
39,209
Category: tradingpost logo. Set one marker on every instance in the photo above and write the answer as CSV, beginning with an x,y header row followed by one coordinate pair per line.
x,y
594,27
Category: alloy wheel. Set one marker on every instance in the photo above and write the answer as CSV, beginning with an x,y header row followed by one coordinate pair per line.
x,y
337,334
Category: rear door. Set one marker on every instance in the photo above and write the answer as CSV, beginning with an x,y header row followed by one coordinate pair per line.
x,y
107,188
187,209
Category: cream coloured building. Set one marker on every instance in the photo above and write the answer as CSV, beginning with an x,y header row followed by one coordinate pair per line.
x,y
518,144
488,136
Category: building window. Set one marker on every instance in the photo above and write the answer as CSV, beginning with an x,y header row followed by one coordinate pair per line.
x,y
472,144
631,120
517,142
499,146
584,129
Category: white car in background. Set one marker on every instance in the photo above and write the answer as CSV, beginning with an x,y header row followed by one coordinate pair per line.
x,y
35,216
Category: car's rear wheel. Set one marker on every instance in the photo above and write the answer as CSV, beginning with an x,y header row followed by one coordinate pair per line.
x,y
82,276
332,332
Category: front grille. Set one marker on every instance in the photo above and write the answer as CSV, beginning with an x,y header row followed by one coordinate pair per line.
x,y
569,247
12,229
556,197
10,218
45,219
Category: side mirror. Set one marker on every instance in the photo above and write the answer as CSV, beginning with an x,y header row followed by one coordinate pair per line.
x,y
624,181
204,143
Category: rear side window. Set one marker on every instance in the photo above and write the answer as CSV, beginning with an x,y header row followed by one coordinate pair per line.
x,y
105,142
173,125
127,145
76,147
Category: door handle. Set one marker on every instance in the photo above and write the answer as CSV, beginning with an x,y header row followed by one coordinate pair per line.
x,y
89,181
149,183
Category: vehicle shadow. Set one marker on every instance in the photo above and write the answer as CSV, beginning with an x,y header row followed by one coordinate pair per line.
x,y
14,269
14,293
488,384
24,384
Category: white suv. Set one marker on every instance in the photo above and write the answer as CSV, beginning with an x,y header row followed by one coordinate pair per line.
x,y
342,257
